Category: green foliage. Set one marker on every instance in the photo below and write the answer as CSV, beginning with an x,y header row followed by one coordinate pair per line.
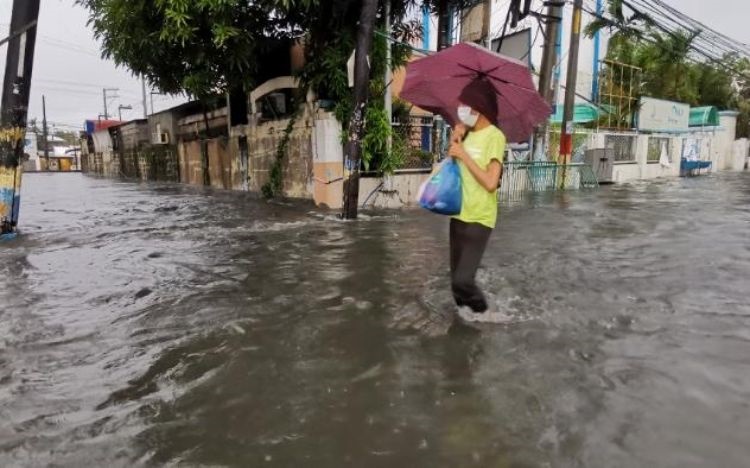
x,y
326,73
670,69
205,48
196,47
275,183
375,143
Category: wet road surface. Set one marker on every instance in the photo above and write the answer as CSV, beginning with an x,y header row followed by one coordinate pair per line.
x,y
150,325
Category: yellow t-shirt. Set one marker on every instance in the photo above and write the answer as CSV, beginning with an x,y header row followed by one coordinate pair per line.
x,y
477,204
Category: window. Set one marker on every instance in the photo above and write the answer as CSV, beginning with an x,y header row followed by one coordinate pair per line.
x,y
624,146
276,105
655,145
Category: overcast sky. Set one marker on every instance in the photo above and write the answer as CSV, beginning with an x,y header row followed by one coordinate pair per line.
x,y
70,73
68,69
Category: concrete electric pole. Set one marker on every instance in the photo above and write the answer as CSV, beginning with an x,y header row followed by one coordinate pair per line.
x,y
566,131
106,97
15,103
549,62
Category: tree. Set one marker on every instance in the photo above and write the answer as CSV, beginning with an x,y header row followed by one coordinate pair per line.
x,y
624,30
211,47
670,70
195,47
353,148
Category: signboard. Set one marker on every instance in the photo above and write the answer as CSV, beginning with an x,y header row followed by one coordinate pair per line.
x,y
656,115
516,45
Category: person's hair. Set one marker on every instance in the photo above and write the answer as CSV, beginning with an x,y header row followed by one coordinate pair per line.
x,y
481,96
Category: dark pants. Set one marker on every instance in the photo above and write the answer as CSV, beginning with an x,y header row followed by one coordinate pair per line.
x,y
468,242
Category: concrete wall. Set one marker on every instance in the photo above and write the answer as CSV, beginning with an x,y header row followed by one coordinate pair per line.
x,y
297,165
133,134
159,162
328,162
740,155
163,122
238,174
642,168
717,145
396,191
205,161
190,156
219,163
724,141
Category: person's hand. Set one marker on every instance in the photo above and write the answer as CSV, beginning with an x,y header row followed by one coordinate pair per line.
x,y
458,134
457,151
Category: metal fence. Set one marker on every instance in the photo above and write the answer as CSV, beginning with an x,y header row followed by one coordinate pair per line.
x,y
418,135
580,139
541,176
655,145
624,146
426,142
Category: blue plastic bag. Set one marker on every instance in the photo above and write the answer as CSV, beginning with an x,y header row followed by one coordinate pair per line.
x,y
441,193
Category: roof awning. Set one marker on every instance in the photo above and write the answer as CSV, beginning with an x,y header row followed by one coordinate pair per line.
x,y
582,114
707,116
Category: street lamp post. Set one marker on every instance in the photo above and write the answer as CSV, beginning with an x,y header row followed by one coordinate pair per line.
x,y
121,108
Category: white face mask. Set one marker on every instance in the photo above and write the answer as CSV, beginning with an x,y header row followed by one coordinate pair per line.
x,y
467,116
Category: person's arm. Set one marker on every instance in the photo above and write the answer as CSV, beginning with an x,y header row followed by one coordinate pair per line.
x,y
458,133
488,178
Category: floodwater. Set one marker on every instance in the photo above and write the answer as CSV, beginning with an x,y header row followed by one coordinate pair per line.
x,y
151,325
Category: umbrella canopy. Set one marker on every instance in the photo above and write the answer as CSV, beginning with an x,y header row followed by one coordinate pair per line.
x,y
434,84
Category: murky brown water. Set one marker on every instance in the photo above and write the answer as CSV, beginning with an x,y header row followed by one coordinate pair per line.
x,y
157,324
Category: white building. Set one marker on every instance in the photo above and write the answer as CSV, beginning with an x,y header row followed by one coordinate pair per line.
x,y
31,160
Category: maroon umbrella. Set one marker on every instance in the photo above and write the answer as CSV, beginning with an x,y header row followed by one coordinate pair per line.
x,y
434,83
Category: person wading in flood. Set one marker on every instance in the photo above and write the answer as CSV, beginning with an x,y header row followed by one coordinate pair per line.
x,y
479,147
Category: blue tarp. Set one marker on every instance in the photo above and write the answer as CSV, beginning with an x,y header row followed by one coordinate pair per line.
x,y
686,165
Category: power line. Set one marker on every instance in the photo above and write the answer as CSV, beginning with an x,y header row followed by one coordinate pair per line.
x,y
70,91
690,45
725,47
722,65
70,47
71,83
703,43
702,26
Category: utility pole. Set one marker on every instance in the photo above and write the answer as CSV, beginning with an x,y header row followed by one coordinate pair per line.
x,y
566,132
152,99
45,132
353,148
15,102
487,24
121,108
388,73
143,91
104,93
597,46
549,61
444,25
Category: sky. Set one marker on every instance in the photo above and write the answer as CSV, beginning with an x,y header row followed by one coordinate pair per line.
x,y
68,69
70,73
726,16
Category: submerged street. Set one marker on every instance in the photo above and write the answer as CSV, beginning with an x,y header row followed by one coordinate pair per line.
x,y
148,324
